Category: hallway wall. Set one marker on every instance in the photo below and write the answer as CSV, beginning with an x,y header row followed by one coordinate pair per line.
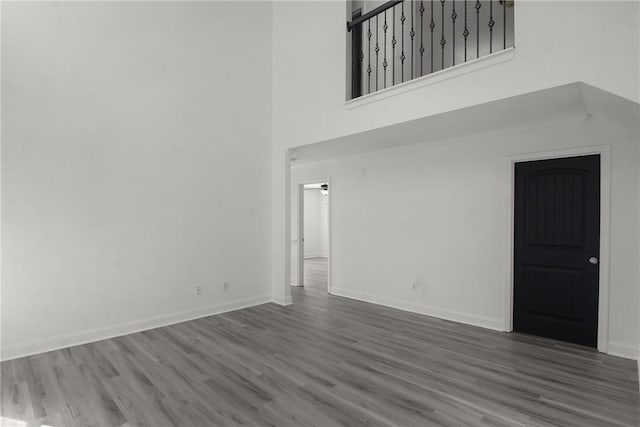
x,y
437,215
553,48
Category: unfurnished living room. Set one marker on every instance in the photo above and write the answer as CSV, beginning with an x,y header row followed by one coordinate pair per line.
x,y
320,213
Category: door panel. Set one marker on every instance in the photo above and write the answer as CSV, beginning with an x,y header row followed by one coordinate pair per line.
x,y
554,214
557,231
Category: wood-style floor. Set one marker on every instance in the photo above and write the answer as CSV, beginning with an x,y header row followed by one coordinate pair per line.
x,y
315,273
322,361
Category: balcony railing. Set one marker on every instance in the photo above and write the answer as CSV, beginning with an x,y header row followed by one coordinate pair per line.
x,y
399,41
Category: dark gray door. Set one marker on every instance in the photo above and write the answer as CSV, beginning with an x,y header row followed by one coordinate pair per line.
x,y
557,241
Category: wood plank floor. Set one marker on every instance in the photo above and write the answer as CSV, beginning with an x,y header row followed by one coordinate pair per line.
x,y
315,272
322,361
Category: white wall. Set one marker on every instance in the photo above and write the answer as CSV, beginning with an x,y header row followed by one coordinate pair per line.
x,y
557,42
135,138
553,47
437,214
315,223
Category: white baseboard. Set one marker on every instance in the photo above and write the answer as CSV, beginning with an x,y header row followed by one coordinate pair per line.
x,y
282,300
27,348
614,348
622,350
295,284
484,322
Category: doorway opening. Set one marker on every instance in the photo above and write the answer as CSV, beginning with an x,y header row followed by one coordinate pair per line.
x,y
313,235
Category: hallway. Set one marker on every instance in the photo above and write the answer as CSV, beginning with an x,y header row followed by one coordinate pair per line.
x,y
316,273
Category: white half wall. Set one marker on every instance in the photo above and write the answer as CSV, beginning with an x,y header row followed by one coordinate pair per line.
x,y
426,227
136,137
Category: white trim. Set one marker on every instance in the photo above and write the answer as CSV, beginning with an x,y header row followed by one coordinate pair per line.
x,y
433,78
300,191
300,186
413,307
622,350
329,237
605,231
282,299
57,342
281,291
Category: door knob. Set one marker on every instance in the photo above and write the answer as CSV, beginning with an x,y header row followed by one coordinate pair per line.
x,y
593,260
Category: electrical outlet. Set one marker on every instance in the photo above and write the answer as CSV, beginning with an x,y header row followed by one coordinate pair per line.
x,y
225,286
198,290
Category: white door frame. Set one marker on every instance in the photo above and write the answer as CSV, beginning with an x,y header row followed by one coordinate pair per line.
x,y
300,190
605,230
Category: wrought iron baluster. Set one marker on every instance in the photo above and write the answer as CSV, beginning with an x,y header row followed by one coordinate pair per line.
x,y
384,62
465,33
356,59
393,47
443,41
369,56
421,37
360,70
504,24
454,16
361,59
491,24
432,25
412,33
478,6
377,49
402,56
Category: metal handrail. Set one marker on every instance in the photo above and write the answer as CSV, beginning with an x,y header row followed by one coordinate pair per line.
x,y
372,13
